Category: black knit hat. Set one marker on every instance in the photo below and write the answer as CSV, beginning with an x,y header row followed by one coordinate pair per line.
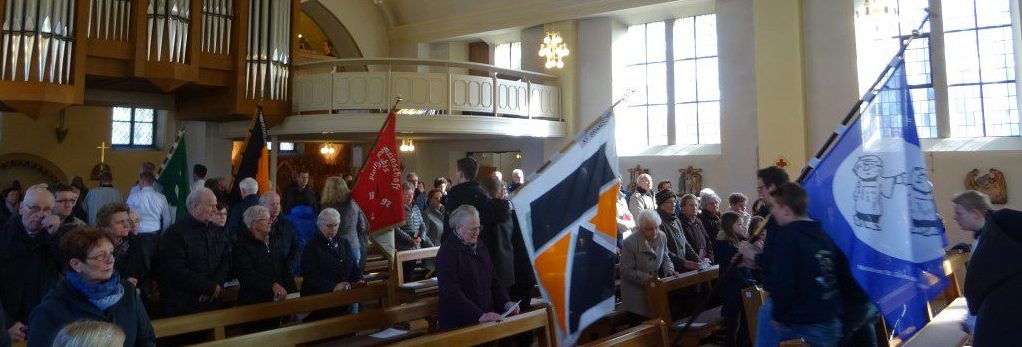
x,y
663,195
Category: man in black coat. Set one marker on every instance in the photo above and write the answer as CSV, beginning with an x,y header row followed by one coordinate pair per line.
x,y
29,259
420,199
261,265
249,189
194,259
995,275
467,192
300,193
282,232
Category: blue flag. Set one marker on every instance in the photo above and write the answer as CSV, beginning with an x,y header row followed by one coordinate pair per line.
x,y
873,195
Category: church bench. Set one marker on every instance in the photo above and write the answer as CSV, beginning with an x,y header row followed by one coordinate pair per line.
x,y
411,291
752,298
945,329
337,327
658,297
219,320
539,321
648,334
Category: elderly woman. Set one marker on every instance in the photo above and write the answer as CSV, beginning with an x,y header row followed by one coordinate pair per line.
x,y
92,289
131,263
695,233
642,199
469,288
433,216
643,256
327,263
680,252
261,267
709,213
353,227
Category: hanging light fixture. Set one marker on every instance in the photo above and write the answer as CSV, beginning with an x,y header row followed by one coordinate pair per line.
x,y
875,7
879,15
407,145
327,149
554,50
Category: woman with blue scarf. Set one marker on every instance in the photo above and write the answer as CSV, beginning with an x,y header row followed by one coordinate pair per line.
x,y
91,290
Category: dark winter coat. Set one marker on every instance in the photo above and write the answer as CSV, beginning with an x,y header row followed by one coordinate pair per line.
x,y
29,268
695,232
294,196
496,234
258,266
65,305
354,228
284,236
678,247
806,291
470,193
468,284
995,279
711,224
738,278
323,266
133,264
194,259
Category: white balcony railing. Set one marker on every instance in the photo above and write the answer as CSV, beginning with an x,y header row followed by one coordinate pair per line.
x,y
320,88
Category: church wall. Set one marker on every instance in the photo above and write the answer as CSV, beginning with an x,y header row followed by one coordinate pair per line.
x,y
76,156
364,23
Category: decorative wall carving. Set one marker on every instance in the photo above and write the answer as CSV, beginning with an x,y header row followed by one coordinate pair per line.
x,y
993,184
36,168
690,181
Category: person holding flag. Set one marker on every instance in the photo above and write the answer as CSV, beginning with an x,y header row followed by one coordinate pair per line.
x,y
378,188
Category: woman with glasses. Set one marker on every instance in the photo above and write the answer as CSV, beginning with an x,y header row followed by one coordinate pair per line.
x,y
328,264
115,221
92,289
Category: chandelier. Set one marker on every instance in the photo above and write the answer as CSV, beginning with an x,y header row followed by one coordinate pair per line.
x,y
327,149
876,7
879,16
554,50
407,145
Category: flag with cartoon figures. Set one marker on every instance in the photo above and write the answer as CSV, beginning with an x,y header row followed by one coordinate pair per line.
x,y
872,194
568,215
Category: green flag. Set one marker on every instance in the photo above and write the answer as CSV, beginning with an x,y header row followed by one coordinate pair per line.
x,y
174,176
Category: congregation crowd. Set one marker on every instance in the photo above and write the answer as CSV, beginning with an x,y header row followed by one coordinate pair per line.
x,y
77,263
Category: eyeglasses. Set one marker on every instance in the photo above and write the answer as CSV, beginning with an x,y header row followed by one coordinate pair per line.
x,y
37,209
101,257
67,201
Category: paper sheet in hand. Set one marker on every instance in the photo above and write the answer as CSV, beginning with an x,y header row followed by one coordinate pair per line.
x,y
509,311
389,333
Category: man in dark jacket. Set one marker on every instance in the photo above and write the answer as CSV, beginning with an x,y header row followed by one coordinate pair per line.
x,y
469,289
249,189
992,286
261,265
805,299
282,232
5,339
194,259
30,260
301,193
420,198
467,192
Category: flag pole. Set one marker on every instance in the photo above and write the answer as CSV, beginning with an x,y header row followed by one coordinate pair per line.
x,y
173,148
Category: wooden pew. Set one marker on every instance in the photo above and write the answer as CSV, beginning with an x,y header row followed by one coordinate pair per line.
x,y
648,334
340,326
657,295
752,298
943,330
539,321
220,319
411,291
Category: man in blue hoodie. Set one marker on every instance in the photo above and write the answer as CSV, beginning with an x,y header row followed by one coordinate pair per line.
x,y
804,292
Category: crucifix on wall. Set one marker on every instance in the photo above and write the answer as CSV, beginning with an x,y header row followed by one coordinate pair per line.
x,y
102,167
690,181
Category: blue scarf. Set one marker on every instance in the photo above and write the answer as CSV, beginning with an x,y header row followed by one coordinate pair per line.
x,y
103,294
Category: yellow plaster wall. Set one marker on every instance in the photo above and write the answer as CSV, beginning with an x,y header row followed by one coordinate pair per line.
x,y
89,125
780,91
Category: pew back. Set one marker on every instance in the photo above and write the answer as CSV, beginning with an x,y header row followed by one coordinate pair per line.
x,y
648,334
657,289
535,320
218,320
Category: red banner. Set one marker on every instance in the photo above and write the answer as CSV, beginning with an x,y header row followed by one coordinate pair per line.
x,y
378,189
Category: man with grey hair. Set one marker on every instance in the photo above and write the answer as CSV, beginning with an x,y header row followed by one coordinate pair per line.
x,y
29,259
419,200
262,268
195,259
517,179
249,189
469,289
283,234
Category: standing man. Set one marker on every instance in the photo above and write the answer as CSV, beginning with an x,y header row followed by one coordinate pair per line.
x,y
517,179
194,259
249,189
467,192
282,231
153,213
102,195
66,199
199,172
420,195
300,193
992,286
30,262
150,168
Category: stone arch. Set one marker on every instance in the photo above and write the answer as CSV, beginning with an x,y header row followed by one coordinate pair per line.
x,y
30,169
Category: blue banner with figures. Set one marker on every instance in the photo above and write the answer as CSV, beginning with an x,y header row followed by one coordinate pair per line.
x,y
873,195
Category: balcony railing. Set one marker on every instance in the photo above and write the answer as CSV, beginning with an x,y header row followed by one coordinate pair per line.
x,y
320,87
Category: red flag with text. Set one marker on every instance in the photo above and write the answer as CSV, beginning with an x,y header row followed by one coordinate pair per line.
x,y
378,188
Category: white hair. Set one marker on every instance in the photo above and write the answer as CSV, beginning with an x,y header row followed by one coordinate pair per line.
x,y
254,212
248,186
266,197
648,216
706,196
195,197
34,193
644,176
328,215
518,172
461,215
